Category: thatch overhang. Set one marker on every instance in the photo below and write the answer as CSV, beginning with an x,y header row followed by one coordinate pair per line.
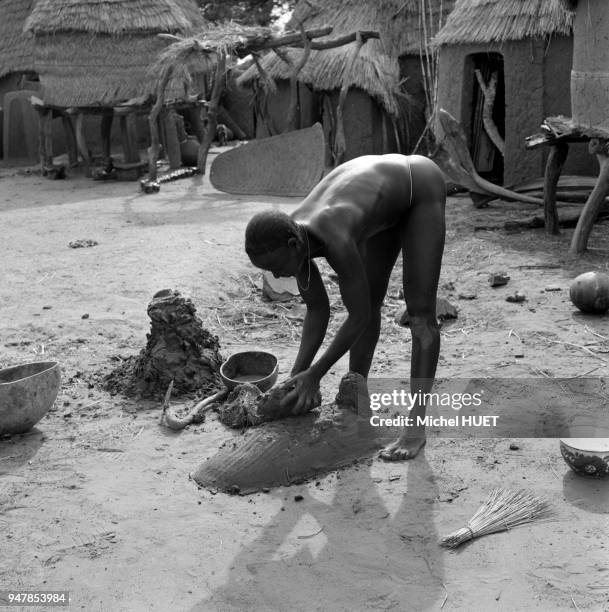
x,y
115,17
103,71
16,47
498,21
85,60
402,29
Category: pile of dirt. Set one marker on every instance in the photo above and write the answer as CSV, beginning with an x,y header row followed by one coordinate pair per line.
x,y
178,348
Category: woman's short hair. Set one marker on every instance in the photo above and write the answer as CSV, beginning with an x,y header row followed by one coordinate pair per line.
x,y
268,231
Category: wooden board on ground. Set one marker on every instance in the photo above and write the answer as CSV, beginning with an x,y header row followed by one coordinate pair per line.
x,y
290,164
566,182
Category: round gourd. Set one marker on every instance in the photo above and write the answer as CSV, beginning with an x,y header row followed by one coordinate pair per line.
x,y
590,292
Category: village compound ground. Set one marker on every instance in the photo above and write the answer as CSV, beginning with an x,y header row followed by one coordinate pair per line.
x,y
97,499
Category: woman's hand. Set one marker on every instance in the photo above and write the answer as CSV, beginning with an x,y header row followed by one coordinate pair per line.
x,y
304,394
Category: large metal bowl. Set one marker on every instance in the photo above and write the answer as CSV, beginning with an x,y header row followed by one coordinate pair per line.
x,y
255,367
27,392
586,456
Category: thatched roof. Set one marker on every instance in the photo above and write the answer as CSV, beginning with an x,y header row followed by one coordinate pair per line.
x,y
398,21
113,16
16,48
78,70
99,52
497,21
376,70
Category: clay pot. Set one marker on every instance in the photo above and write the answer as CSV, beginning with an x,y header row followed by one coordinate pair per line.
x,y
189,150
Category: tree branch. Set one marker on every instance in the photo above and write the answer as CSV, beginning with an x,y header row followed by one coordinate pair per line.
x,y
490,91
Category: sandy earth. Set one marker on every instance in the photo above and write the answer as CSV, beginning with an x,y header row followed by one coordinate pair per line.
x,y
97,499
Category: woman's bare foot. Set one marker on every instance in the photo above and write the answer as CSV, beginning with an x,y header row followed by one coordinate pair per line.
x,y
403,448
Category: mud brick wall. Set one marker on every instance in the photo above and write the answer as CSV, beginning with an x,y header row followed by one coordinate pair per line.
x,y
537,85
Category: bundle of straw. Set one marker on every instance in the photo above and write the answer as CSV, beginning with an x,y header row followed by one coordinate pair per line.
x,y
502,510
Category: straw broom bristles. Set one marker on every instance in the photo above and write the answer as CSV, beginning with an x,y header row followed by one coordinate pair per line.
x,y
502,510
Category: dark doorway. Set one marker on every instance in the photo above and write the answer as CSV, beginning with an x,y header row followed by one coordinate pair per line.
x,y
488,159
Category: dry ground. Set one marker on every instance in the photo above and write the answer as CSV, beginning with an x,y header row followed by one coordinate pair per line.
x,y
97,499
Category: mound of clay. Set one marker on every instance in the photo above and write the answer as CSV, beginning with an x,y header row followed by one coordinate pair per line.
x,y
353,392
240,408
247,405
178,348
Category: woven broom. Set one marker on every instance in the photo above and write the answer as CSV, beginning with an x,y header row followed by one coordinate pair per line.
x,y
502,510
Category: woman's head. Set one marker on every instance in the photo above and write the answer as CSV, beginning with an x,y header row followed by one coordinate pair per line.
x,y
274,242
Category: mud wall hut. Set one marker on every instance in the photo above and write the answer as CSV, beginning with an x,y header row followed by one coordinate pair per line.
x,y
384,109
93,56
529,45
18,138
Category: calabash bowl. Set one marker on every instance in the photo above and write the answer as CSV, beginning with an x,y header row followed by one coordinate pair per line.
x,y
586,456
27,392
255,367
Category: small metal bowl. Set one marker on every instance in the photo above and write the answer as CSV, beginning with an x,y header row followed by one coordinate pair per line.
x,y
586,456
255,367
27,392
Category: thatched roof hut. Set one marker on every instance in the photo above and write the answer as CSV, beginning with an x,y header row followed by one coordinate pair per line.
x,y
500,21
377,69
99,53
16,47
528,45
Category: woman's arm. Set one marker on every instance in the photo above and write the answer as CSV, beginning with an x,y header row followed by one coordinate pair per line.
x,y
348,265
316,319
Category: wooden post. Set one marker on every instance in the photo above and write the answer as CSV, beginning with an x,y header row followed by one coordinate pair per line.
x,y
340,145
132,132
385,137
81,144
579,241
556,159
293,121
68,128
396,135
46,141
106,136
171,138
153,151
212,113
129,146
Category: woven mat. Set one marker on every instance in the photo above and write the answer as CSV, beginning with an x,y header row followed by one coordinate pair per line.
x,y
290,451
290,164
